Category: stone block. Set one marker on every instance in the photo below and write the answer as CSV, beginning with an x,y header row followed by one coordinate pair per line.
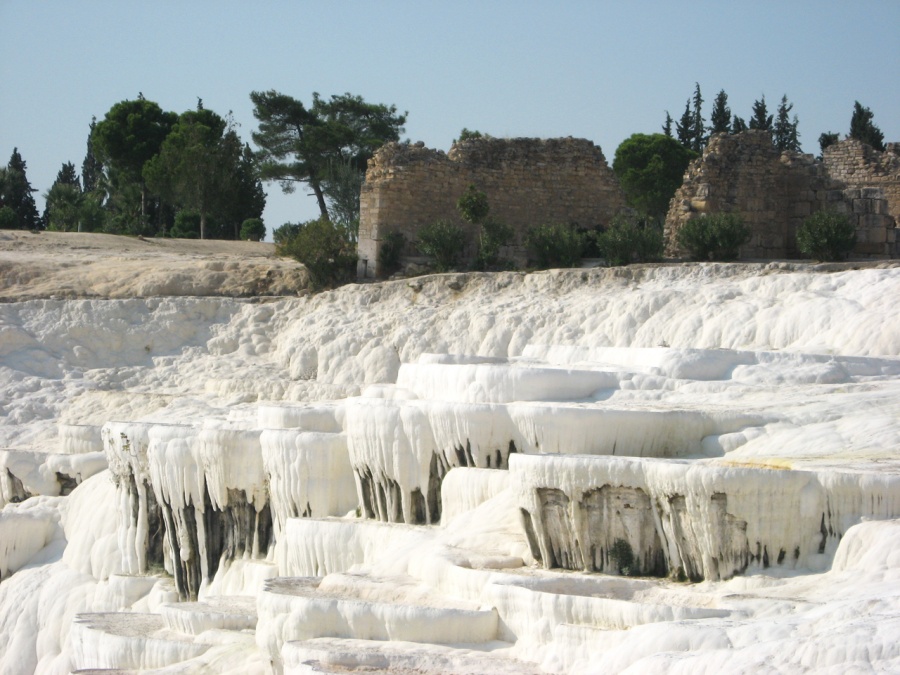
x,y
800,209
865,248
863,206
877,235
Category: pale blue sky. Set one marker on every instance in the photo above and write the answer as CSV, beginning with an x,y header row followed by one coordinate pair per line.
x,y
598,70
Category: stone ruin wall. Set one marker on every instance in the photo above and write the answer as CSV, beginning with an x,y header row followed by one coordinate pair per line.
x,y
527,182
774,191
871,184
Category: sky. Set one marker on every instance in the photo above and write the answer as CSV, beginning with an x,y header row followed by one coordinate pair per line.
x,y
590,69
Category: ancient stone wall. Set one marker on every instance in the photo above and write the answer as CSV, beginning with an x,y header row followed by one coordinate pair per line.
x,y
774,191
527,182
871,182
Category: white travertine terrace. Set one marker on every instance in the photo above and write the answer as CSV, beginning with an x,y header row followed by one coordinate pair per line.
x,y
674,469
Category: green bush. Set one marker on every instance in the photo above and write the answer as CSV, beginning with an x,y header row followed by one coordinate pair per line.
x,y
629,239
718,236
443,241
555,245
284,232
253,229
826,236
390,253
494,234
473,205
325,250
621,557
187,225
8,220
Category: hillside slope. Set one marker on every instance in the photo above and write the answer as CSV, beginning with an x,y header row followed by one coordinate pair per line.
x,y
91,265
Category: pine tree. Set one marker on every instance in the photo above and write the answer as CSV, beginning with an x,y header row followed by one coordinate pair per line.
x,y
784,133
761,118
738,125
18,194
720,118
863,129
667,125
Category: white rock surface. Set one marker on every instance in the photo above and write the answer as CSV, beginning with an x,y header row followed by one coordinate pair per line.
x,y
246,441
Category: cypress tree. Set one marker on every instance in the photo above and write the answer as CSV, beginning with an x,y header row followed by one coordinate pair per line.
x,y
720,118
64,201
738,125
784,133
761,118
684,128
698,140
18,194
67,176
667,125
91,167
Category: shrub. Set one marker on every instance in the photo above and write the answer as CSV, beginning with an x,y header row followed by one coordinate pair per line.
x,y
826,236
253,229
284,232
390,253
8,220
443,241
555,245
494,234
629,239
187,225
473,205
324,249
718,236
621,557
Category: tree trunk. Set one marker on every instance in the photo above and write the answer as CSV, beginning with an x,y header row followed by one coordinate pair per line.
x,y
203,223
320,198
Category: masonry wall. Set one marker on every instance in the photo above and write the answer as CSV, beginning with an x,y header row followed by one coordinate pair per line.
x,y
871,182
775,191
527,182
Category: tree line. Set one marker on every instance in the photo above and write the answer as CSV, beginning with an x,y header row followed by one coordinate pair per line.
x,y
151,172
693,133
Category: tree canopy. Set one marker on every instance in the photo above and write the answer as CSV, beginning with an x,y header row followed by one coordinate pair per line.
x,y
863,128
128,137
650,167
300,144
144,166
196,165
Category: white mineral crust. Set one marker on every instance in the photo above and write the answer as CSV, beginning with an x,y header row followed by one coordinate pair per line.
x,y
506,473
